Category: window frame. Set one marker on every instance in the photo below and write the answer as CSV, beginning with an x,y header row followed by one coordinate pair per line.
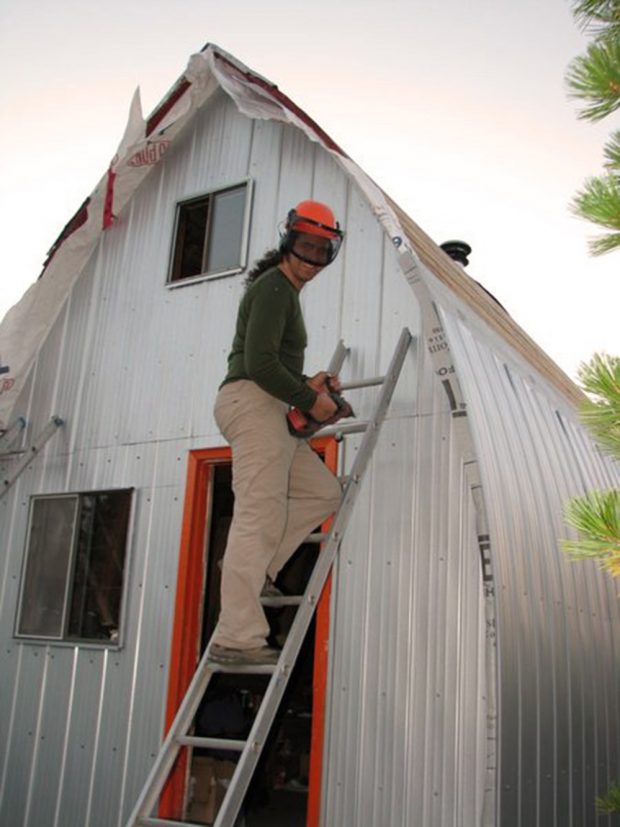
x,y
245,234
63,639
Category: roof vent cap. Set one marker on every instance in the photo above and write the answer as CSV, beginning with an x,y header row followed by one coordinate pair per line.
x,y
457,250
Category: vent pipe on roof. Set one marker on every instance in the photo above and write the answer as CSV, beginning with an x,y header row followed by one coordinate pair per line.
x,y
457,250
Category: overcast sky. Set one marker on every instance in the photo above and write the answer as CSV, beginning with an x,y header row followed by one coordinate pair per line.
x,y
458,109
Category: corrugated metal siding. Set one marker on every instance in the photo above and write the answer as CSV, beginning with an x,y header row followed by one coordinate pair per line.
x,y
558,647
85,723
407,705
134,367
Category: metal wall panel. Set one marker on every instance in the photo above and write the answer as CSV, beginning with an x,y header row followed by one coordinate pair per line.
x,y
406,721
559,650
84,719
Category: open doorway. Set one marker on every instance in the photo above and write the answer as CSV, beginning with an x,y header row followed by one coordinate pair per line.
x,y
279,790
286,786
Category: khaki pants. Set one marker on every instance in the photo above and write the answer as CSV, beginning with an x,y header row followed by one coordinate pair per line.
x,y
282,492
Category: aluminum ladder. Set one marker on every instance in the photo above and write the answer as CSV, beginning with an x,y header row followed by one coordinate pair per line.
x,y
251,748
27,454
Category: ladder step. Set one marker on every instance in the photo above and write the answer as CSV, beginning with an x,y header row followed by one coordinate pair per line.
x,y
253,669
316,537
340,430
210,743
363,383
151,821
284,600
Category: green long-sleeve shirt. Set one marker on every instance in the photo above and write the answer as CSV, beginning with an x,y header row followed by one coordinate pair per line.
x,y
270,339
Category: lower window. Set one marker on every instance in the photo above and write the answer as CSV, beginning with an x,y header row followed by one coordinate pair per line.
x,y
74,570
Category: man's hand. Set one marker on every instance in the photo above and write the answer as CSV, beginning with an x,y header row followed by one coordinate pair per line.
x,y
324,407
319,382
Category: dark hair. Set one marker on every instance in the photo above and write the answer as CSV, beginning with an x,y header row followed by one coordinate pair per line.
x,y
271,259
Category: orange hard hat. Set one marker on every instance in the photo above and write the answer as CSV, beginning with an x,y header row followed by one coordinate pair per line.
x,y
315,218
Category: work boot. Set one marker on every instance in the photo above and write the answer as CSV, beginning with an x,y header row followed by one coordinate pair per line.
x,y
270,589
226,656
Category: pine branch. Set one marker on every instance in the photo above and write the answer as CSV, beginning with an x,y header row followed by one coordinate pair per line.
x,y
604,244
599,202
600,379
596,516
610,802
595,79
612,153
600,18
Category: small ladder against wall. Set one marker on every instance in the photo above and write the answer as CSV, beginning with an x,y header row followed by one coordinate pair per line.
x,y
26,455
251,748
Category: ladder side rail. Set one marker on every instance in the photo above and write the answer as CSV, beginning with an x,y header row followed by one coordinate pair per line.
x,y
246,765
170,747
180,726
31,452
339,355
264,720
355,476
177,738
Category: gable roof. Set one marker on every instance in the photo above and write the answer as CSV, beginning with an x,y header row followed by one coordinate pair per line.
x,y
145,143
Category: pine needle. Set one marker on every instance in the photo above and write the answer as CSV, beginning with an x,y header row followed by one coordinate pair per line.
x,y
595,79
596,516
610,802
612,153
599,203
600,379
600,18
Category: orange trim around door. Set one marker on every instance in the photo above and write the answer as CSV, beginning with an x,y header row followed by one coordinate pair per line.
x,y
186,631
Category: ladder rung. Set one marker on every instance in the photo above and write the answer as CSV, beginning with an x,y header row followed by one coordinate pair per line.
x,y
151,821
363,383
340,430
316,537
211,743
284,600
247,669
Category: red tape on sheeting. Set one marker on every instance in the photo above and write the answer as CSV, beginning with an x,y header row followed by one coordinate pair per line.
x,y
108,214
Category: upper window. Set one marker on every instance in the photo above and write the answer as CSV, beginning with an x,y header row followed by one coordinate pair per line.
x,y
74,571
211,232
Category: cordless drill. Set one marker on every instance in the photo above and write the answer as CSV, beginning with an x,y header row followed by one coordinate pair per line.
x,y
303,425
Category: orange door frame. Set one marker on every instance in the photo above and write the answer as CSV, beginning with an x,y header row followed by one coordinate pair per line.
x,y
186,633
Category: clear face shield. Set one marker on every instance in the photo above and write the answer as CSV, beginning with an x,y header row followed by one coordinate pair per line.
x,y
311,241
314,249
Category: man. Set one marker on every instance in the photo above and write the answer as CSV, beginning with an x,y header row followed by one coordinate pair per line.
x,y
282,489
